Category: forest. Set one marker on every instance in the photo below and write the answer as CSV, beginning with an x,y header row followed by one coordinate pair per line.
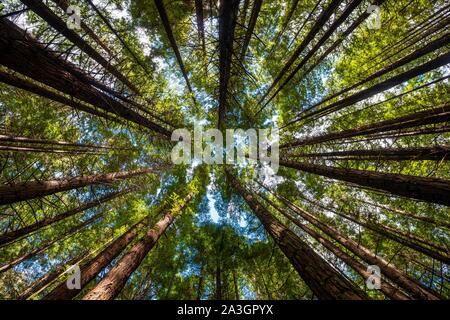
x,y
92,207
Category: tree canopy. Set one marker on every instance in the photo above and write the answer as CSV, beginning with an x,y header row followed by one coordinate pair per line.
x,y
91,91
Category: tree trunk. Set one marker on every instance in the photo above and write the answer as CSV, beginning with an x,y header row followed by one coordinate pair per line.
x,y
35,189
61,26
320,22
93,267
336,24
21,53
47,245
438,153
251,26
109,287
387,84
323,280
16,234
437,115
200,24
341,38
48,278
165,20
41,91
411,286
388,290
200,283
218,282
430,47
228,10
432,190
64,5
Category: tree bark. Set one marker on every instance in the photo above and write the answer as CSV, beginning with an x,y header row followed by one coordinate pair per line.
x,y
438,153
200,24
430,47
165,20
427,189
47,245
384,85
48,278
387,289
59,25
41,91
437,115
93,267
30,190
110,286
228,10
336,24
411,286
16,234
323,280
251,26
320,22
22,53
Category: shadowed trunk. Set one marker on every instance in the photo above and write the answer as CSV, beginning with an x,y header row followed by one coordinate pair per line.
x,y
322,279
22,53
61,26
387,289
48,244
433,190
30,190
228,10
93,267
437,115
16,234
109,287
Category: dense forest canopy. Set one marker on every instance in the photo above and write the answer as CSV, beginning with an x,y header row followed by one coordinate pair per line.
x,y
91,91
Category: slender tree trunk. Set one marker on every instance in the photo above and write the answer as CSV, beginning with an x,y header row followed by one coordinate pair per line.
x,y
430,47
236,286
93,267
21,53
30,190
228,10
110,286
61,26
218,281
124,44
411,286
41,91
48,244
56,143
341,38
382,86
200,283
165,20
200,24
433,190
323,280
16,234
320,22
64,5
408,214
437,115
48,278
251,26
387,289
336,24
438,153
